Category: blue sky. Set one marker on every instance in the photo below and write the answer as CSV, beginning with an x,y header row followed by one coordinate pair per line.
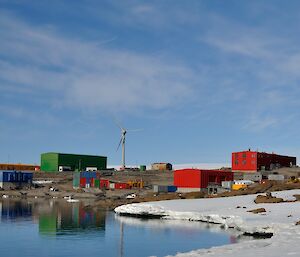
x,y
201,78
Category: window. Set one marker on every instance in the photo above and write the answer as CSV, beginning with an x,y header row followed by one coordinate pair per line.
x,y
244,162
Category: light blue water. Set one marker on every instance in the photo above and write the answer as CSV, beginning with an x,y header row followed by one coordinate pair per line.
x,y
57,228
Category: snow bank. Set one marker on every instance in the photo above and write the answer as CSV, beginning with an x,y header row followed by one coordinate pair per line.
x,y
200,165
178,166
231,212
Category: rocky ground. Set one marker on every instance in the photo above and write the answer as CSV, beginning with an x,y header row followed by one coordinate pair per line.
x,y
109,199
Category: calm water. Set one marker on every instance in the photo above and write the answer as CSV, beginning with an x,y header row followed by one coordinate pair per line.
x,y
57,228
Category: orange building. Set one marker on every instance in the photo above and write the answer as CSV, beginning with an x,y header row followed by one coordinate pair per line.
x,y
19,166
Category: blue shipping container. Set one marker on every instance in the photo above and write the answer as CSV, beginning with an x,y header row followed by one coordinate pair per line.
x,y
9,176
88,174
26,177
88,180
16,176
4,175
172,189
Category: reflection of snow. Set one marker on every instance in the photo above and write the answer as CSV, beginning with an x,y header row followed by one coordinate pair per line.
x,y
71,200
279,219
158,224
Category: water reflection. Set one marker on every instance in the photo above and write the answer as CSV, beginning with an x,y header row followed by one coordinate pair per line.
x,y
54,217
64,219
163,237
11,210
50,228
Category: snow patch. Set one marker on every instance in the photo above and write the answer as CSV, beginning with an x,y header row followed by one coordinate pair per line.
x,y
279,220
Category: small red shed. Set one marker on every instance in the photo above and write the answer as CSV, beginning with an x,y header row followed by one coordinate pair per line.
x,y
197,180
104,183
82,182
122,185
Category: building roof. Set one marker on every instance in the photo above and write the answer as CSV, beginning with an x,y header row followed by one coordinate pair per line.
x,y
20,164
75,154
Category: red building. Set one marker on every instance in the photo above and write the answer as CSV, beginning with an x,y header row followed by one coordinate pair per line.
x,y
104,183
188,180
252,161
122,186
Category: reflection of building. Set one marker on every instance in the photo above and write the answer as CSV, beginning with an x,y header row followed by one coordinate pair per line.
x,y
48,224
54,162
66,218
15,209
55,217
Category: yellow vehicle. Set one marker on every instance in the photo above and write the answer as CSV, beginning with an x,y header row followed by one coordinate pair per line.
x,y
241,184
238,186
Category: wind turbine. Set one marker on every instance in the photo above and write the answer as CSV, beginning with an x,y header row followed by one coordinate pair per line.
x,y
122,141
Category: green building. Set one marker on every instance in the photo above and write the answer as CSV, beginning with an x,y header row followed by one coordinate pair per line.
x,y
54,162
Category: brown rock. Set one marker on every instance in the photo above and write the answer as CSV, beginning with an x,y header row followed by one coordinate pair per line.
x,y
297,197
259,210
267,199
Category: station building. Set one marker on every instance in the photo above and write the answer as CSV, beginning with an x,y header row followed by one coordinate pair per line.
x,y
253,161
161,166
190,180
58,162
19,166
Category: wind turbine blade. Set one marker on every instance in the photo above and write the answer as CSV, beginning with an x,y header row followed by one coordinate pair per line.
x,y
134,130
119,144
118,123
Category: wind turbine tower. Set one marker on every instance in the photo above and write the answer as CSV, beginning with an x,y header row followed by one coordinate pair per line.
x,y
122,141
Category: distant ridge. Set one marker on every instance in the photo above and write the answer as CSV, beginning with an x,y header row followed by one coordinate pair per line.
x,y
188,165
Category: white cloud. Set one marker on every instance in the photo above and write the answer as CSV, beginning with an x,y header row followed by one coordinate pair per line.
x,y
155,16
260,47
254,71
88,74
258,123
261,68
